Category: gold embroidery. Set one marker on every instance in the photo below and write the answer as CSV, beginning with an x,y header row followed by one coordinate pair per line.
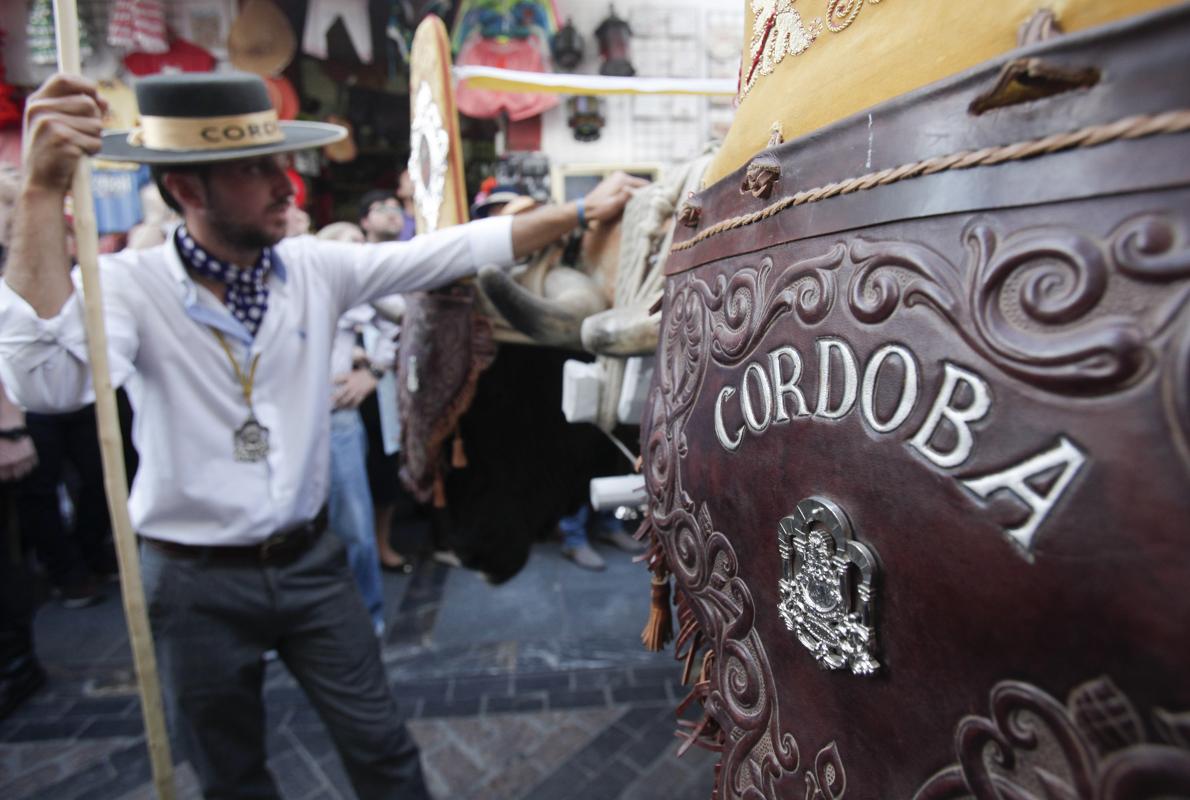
x,y
844,10
779,30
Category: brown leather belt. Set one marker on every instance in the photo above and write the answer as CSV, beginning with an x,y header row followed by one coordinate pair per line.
x,y
282,546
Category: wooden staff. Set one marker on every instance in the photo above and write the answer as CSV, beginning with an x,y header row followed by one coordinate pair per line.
x,y
111,445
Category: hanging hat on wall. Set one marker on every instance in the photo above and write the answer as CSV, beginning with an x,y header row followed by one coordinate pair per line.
x,y
261,39
343,149
203,117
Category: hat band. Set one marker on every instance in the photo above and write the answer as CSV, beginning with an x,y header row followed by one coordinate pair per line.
x,y
207,133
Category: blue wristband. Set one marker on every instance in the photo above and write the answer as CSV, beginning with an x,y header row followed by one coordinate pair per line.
x,y
582,216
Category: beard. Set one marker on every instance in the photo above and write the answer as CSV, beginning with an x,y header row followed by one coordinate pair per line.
x,y
241,235
245,237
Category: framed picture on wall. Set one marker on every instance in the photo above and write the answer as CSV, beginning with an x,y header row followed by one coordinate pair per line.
x,y
572,181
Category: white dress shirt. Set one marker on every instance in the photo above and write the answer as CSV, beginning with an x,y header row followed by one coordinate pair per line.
x,y
184,392
383,352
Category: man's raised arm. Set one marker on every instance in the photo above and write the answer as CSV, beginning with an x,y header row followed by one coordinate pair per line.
x,y
63,121
535,229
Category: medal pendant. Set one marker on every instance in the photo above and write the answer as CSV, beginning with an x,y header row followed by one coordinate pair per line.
x,y
251,441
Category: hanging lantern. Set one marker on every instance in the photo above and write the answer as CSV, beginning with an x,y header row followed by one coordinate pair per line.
x,y
613,35
586,117
567,46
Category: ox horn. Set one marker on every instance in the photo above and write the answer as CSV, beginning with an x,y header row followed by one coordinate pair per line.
x,y
571,297
628,331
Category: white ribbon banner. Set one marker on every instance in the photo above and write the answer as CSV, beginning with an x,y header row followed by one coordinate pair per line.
x,y
511,80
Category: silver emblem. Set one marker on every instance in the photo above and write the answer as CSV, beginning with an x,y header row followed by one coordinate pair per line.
x,y
826,587
251,441
429,144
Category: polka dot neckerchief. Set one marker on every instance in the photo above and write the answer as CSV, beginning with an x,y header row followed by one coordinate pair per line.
x,y
247,292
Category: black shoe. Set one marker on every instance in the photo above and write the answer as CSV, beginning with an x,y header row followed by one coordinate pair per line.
x,y
80,594
19,680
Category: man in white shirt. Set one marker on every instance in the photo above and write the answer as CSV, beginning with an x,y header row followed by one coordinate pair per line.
x,y
222,338
351,506
383,218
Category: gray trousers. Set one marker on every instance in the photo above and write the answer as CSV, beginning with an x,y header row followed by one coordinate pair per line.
x,y
212,622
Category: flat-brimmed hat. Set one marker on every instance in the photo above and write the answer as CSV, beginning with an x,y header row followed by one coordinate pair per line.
x,y
197,118
499,195
261,39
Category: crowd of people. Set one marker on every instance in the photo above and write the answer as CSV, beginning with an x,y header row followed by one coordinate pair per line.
x,y
266,342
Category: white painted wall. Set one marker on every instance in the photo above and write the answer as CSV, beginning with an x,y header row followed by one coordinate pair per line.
x,y
678,33
667,36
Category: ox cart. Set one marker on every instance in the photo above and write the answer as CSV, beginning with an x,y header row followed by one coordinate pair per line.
x,y
918,442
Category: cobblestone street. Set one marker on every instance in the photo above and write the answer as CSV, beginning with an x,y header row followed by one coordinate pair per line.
x,y
535,690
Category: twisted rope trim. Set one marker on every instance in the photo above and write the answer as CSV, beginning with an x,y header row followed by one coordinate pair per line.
x,y
1136,127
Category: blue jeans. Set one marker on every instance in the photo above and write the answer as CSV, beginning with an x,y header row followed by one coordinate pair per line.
x,y
350,511
574,527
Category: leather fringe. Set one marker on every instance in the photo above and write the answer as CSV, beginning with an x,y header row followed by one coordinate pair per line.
x,y
704,733
458,456
659,628
688,649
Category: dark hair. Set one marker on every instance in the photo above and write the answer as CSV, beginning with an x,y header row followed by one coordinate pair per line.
x,y
159,171
374,196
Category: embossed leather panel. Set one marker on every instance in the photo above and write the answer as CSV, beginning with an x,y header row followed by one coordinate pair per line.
x,y
445,346
1003,417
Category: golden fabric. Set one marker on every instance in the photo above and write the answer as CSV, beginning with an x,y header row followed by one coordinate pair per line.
x,y
207,133
833,58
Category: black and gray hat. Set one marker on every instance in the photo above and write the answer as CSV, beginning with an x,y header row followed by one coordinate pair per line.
x,y
199,117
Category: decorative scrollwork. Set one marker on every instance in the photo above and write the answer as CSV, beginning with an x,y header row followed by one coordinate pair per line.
x,y
778,30
1150,247
828,780
875,293
1094,746
722,322
841,13
1178,388
746,304
705,323
1036,298
1030,295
